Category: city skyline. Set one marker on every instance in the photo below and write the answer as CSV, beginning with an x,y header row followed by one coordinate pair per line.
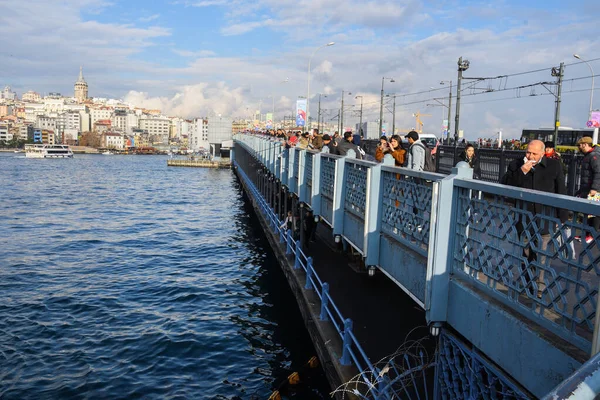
x,y
193,58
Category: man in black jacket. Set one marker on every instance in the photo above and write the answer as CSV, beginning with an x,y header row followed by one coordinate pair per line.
x,y
590,178
538,173
346,144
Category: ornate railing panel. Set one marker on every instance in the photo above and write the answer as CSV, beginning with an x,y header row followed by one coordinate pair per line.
x,y
462,373
406,209
355,202
327,187
528,258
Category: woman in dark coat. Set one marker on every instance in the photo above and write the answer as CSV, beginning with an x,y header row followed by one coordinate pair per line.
x,y
468,156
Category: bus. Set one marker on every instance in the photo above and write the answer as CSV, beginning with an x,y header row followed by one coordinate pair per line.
x,y
567,137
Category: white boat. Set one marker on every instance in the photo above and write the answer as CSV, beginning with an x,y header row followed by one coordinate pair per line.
x,y
48,151
107,153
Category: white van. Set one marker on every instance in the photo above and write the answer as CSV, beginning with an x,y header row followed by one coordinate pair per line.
x,y
431,141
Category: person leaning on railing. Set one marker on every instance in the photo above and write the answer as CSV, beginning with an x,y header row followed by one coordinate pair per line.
x,y
469,156
590,180
536,172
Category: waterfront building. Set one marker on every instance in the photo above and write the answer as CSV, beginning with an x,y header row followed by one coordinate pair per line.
x,y
112,140
54,104
45,122
31,97
37,135
81,88
5,134
157,127
48,136
100,113
198,134
102,126
219,131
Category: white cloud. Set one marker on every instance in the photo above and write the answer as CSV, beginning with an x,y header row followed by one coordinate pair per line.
x,y
149,18
187,53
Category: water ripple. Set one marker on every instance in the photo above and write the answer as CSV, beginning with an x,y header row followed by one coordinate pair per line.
x,y
125,279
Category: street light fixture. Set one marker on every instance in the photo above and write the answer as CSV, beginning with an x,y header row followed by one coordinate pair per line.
x,y
592,92
381,105
308,80
449,109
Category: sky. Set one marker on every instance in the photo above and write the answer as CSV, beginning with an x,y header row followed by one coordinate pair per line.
x,y
195,58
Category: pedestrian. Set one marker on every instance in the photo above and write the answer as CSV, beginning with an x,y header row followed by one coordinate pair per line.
x,y
416,152
394,148
346,144
315,140
537,172
289,222
590,181
327,143
469,156
550,152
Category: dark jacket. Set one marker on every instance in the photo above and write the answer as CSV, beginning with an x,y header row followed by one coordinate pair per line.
x,y
473,163
590,172
546,176
345,145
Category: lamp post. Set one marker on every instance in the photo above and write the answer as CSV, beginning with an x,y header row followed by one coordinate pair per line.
x,y
381,105
592,92
449,109
342,112
319,113
308,80
360,123
463,65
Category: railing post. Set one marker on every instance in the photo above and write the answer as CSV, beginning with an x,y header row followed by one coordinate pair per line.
x,y
346,360
309,273
316,185
281,235
297,259
338,197
302,175
324,302
373,212
441,245
502,167
288,250
290,172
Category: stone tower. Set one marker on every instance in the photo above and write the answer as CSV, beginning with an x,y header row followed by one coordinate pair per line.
x,y
81,88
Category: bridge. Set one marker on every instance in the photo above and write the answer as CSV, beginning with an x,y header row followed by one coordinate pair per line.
x,y
508,325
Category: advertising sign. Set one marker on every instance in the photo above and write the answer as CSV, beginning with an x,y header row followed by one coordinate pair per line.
x,y
269,121
301,112
594,121
445,127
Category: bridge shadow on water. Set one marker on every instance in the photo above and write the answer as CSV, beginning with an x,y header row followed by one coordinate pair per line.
x,y
287,346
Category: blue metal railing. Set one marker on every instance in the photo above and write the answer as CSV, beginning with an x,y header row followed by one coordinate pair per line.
x,y
456,232
352,351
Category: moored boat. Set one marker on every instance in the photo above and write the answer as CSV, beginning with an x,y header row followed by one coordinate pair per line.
x,y
48,151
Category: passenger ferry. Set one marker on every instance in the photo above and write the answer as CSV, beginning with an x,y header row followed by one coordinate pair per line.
x,y
48,151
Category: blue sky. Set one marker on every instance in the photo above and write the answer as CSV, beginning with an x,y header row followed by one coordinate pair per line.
x,y
197,57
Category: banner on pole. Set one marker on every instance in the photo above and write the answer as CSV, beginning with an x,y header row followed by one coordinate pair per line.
x,y
594,121
301,112
269,120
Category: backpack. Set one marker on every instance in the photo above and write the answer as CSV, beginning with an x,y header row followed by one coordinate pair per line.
x,y
429,164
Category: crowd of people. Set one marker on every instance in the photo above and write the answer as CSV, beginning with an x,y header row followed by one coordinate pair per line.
x,y
411,152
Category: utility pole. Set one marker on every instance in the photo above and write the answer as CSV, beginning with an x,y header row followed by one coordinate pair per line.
x,y
360,123
557,73
394,117
342,114
462,66
449,113
319,114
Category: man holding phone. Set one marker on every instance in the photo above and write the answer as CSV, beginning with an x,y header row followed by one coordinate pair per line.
x,y
537,172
